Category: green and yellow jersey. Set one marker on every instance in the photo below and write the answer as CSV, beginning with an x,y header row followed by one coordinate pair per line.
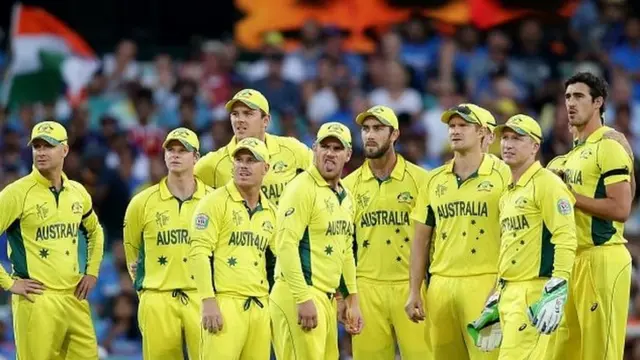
x,y
538,227
288,157
156,235
557,163
42,227
464,216
384,231
315,237
237,238
589,167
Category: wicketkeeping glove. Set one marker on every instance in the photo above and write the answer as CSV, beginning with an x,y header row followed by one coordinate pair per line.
x,y
485,330
547,312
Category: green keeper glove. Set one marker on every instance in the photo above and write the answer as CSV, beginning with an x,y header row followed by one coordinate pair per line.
x,y
485,330
547,312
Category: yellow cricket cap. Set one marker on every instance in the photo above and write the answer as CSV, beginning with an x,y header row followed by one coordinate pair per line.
x,y
337,130
256,146
472,114
252,98
523,125
187,137
50,131
384,114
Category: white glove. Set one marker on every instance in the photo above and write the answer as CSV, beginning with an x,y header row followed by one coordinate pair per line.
x,y
485,331
490,338
547,312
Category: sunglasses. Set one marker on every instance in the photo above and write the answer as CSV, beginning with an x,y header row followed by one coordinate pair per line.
x,y
465,110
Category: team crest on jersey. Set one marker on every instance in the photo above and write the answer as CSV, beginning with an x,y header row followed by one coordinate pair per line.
x,y
329,204
485,186
586,153
42,211
202,221
521,202
267,226
441,189
280,167
564,207
76,208
363,199
405,197
162,218
237,217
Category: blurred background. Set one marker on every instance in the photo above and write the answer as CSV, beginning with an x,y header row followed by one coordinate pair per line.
x,y
153,65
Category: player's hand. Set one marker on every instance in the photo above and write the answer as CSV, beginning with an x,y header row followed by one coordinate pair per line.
x,y
354,322
490,338
133,267
485,330
85,286
414,308
211,315
342,309
547,312
307,315
25,287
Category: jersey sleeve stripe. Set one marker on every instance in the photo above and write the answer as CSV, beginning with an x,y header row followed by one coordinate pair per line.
x,y
87,214
615,172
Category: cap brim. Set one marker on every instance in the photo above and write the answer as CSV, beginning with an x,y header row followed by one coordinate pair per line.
x,y
517,130
184,143
360,118
344,142
230,103
252,151
446,116
46,138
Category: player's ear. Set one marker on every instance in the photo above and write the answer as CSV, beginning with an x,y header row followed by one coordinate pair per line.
x,y
65,150
599,101
266,118
349,152
266,168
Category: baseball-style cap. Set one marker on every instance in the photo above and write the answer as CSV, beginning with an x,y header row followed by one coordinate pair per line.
x,y
50,131
523,125
472,114
187,137
384,114
256,146
252,98
337,130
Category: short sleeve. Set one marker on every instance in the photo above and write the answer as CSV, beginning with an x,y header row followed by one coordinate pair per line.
x,y
614,162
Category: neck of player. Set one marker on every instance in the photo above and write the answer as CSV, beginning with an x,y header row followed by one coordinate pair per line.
x,y
54,176
519,169
589,128
466,163
181,185
382,167
250,194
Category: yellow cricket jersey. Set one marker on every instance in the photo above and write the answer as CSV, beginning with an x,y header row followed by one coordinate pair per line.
x,y
589,167
315,237
538,227
557,163
42,226
288,157
384,231
237,238
156,235
465,218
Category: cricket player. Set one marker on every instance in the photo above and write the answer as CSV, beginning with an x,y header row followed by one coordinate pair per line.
x,y
156,239
235,224
315,255
598,171
249,112
538,243
458,204
385,188
43,214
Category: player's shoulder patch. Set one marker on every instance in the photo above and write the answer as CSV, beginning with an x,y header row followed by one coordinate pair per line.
x,y
202,221
564,207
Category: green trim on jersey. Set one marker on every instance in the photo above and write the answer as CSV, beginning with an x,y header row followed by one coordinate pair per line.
x,y
601,230
18,253
304,249
547,253
140,271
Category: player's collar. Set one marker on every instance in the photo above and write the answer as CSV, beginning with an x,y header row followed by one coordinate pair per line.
x,y
486,166
235,195
269,140
594,137
528,174
35,173
397,172
165,193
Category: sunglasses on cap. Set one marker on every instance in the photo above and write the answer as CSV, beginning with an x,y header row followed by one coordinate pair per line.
x,y
463,109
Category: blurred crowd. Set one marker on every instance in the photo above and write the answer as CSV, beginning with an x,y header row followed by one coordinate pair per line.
x,y
116,134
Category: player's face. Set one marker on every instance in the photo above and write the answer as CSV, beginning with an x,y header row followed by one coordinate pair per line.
x,y
377,138
464,136
581,107
247,170
247,122
177,158
330,155
517,149
47,157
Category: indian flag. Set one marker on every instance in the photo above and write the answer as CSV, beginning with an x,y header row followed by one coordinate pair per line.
x,y
47,58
